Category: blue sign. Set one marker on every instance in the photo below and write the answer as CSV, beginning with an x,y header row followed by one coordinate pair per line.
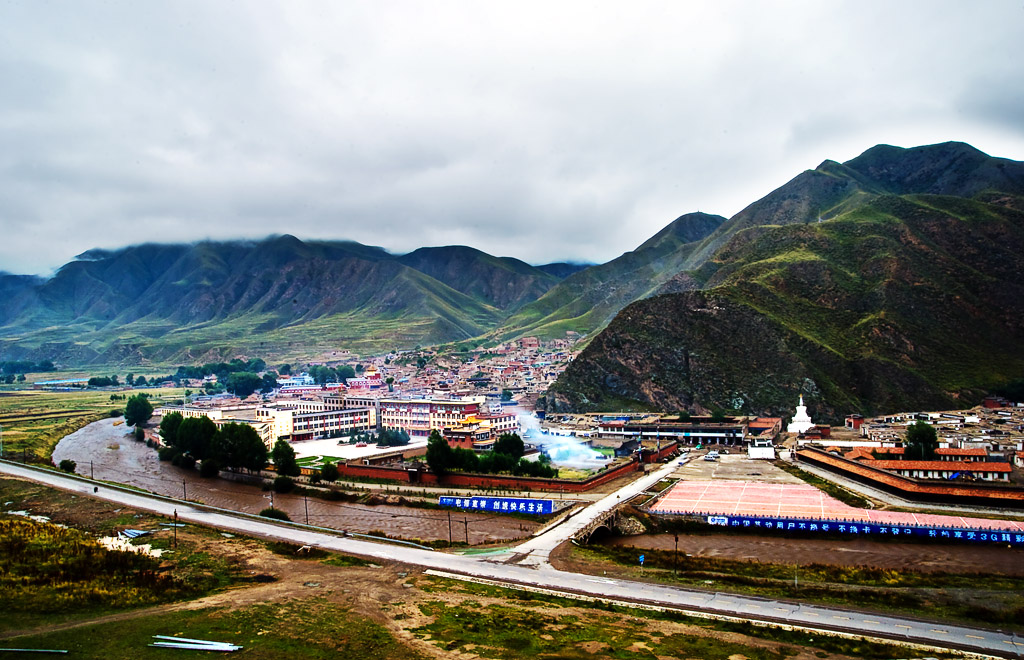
x,y
854,528
641,560
499,504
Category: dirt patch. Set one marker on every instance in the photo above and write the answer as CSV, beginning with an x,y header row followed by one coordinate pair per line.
x,y
857,552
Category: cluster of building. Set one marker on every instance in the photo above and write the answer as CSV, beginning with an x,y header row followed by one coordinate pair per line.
x,y
983,443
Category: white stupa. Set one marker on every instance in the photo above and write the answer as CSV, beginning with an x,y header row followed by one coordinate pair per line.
x,y
801,420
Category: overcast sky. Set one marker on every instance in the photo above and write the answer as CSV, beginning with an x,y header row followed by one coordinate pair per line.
x,y
546,131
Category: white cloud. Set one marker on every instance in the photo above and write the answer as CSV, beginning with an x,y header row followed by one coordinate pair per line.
x,y
543,131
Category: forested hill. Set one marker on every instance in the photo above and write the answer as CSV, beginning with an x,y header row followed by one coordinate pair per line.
x,y
279,296
894,281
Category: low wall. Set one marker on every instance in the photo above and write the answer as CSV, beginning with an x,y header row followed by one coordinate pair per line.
x,y
496,481
917,489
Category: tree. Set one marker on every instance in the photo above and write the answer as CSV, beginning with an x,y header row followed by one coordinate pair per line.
x,y
21,378
269,382
684,416
329,472
195,436
141,381
506,395
68,465
284,459
390,380
345,372
130,379
510,444
718,416
285,369
169,427
440,456
921,442
243,383
239,446
137,411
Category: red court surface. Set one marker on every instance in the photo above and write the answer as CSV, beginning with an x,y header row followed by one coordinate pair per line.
x,y
750,498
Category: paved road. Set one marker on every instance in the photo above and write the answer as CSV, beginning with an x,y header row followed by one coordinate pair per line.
x,y
538,549
924,632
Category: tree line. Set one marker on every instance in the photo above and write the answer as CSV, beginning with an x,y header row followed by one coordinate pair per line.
x,y
506,457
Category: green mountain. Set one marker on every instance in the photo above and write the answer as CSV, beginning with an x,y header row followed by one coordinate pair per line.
x,y
276,297
586,300
907,294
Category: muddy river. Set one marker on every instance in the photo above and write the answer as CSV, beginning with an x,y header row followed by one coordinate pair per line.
x,y
109,453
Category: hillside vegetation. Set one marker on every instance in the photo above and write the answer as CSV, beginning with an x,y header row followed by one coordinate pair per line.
x,y
905,294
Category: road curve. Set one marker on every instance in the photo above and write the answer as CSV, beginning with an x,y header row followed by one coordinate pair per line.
x,y
942,635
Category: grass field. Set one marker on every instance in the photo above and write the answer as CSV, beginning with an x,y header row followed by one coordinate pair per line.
x,y
977,598
280,602
34,421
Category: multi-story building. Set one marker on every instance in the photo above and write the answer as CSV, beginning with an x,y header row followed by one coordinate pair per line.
x,y
295,424
421,416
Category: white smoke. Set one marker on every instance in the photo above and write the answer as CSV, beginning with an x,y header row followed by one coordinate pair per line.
x,y
566,451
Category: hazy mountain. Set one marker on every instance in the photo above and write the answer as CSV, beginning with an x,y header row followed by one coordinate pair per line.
x,y
279,296
909,293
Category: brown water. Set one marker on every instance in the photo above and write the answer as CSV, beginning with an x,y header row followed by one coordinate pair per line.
x,y
109,453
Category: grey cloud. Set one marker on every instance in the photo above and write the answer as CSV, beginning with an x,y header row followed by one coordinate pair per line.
x,y
537,130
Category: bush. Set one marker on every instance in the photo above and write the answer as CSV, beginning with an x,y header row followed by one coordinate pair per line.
x,y
183,461
209,468
68,465
276,514
314,478
283,484
140,435
168,454
115,412
329,472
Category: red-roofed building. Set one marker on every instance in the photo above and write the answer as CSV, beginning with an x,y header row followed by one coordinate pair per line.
x,y
945,469
950,454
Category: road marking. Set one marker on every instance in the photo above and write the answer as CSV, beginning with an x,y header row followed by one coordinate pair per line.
x,y
781,609
812,614
975,637
941,632
836,616
900,625
755,607
870,621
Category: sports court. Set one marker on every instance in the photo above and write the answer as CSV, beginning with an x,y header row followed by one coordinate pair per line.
x,y
751,498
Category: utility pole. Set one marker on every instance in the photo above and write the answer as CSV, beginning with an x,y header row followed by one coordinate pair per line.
x,y
175,528
449,528
465,523
1,440
305,503
92,473
675,559
184,491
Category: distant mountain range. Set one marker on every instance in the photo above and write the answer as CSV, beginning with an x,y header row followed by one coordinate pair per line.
x,y
891,281
276,297
894,281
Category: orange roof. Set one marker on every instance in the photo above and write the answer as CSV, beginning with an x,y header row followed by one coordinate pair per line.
x,y
944,466
948,451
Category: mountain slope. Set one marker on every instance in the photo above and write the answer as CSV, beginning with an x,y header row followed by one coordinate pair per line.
x,y
588,299
280,296
909,296
503,282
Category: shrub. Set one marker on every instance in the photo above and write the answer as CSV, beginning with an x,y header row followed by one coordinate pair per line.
x,y
68,465
209,468
276,514
168,454
283,484
314,478
115,412
329,472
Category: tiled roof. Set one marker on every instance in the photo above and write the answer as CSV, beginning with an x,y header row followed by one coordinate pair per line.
x,y
949,451
943,466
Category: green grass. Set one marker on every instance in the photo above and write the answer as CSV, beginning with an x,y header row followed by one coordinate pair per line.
x,y
35,421
978,598
516,625
314,628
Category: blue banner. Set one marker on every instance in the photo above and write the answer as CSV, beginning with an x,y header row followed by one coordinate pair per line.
x,y
499,504
852,528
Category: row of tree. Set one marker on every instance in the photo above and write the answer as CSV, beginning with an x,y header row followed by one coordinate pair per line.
x,y
198,439
506,457
386,438
14,367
